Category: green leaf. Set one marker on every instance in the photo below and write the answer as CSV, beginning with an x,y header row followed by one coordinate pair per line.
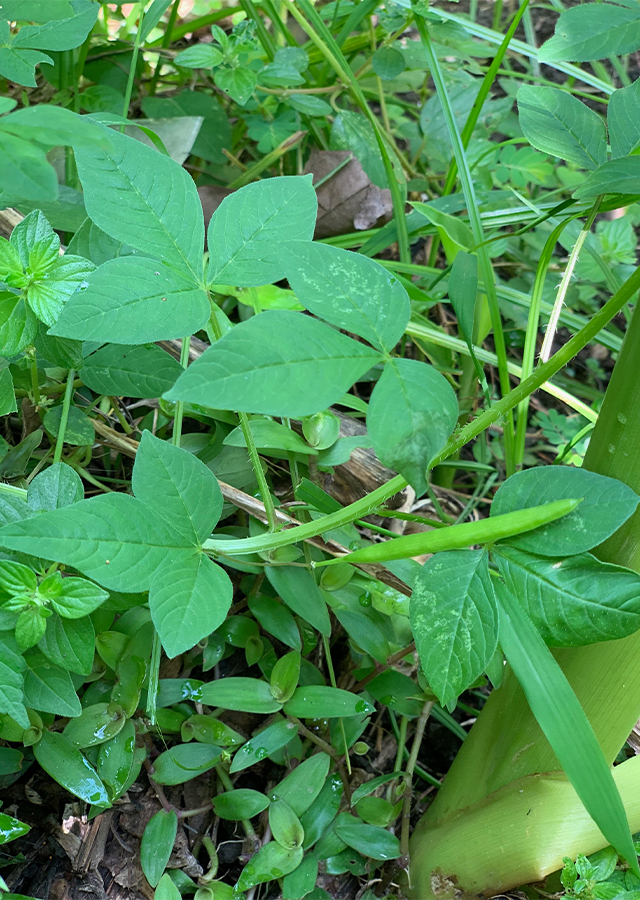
x,y
364,633
166,889
607,504
238,83
30,627
304,784
412,412
397,691
557,123
189,599
132,300
24,170
200,56
215,131
48,688
97,723
11,828
263,744
285,676
618,176
270,435
242,803
270,862
69,643
157,844
38,11
92,243
116,758
118,370
162,215
315,701
352,131
388,63
68,767
349,291
17,579
463,290
79,431
285,825
593,31
279,363
7,393
12,665
574,601
54,126
300,592
47,298
454,621
60,34
564,723
371,841
454,233
152,17
248,228
309,105
276,620
184,762
210,730
72,598
242,694
623,119
17,324
62,352
55,487
322,811
16,64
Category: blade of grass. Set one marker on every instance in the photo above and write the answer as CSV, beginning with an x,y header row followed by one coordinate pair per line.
x,y
564,724
475,222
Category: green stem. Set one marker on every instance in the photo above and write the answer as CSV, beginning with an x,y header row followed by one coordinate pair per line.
x,y
362,508
64,418
132,69
154,677
35,387
166,43
411,764
179,413
263,35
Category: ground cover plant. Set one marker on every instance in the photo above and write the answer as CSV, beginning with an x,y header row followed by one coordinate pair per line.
x,y
320,428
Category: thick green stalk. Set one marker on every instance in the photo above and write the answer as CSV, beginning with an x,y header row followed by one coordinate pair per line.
x,y
506,744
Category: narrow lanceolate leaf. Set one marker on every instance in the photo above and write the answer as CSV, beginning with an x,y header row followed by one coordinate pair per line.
x,y
618,176
454,620
300,592
593,31
348,290
66,765
12,665
557,123
139,371
623,119
157,843
189,598
131,300
607,503
280,363
463,289
162,215
249,227
412,412
573,601
564,724
178,487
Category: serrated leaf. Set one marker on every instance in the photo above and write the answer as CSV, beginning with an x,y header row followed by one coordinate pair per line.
x,y
48,687
248,228
593,31
239,83
279,363
350,291
162,215
132,300
557,123
454,621
607,504
412,412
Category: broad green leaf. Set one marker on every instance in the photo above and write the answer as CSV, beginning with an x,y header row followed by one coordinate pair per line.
x,y
111,538
564,723
242,803
210,730
463,289
302,880
78,431
397,691
17,579
300,592
162,215
54,351
304,784
68,767
200,56
18,64
263,744
60,34
215,131
48,688
270,435
623,119
607,504
454,621
132,300
412,412
353,131
285,676
54,126
48,294
279,363
24,170
69,643
248,228
55,487
322,811
557,123
189,598
618,176
388,63
371,841
116,758
454,233
315,701
157,844
16,460
18,324
364,633
309,105
276,620
97,723
270,862
94,244
350,291
184,762
72,598
285,825
142,371
166,889
574,601
38,11
12,666
593,31
242,694
238,83
370,786
7,393
30,626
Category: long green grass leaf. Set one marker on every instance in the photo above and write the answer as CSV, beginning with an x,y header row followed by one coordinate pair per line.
x,y
564,723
